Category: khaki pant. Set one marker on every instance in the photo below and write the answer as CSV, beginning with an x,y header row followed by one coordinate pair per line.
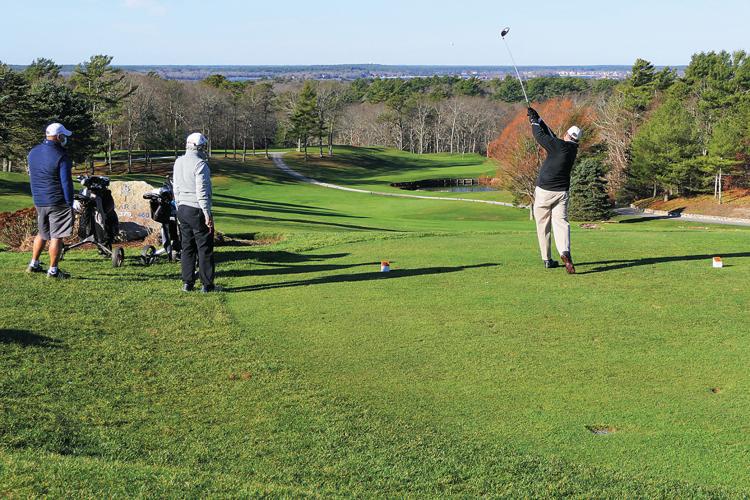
x,y
551,209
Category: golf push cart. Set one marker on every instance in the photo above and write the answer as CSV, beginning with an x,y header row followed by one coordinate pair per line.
x,y
98,222
163,211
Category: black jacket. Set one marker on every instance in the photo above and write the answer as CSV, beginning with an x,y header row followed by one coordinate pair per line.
x,y
561,155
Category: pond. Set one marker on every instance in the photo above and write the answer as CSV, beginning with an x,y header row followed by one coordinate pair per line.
x,y
459,189
445,186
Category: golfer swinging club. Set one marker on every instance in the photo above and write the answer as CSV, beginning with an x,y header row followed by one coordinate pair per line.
x,y
551,193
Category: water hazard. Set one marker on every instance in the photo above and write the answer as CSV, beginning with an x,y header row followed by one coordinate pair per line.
x,y
445,185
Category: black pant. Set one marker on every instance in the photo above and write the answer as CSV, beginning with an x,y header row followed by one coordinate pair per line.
x,y
196,238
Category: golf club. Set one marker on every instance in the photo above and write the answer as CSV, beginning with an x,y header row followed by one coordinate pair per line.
x,y
502,35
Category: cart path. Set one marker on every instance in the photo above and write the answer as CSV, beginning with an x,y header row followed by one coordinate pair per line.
x,y
281,165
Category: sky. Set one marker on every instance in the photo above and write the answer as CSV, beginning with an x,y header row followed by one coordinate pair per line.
x,y
434,32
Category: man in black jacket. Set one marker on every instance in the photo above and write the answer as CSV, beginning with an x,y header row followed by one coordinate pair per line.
x,y
552,186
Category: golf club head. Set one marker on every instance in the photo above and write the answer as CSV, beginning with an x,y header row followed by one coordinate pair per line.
x,y
504,32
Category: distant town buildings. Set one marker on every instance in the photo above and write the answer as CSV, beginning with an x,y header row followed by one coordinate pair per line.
x,y
348,72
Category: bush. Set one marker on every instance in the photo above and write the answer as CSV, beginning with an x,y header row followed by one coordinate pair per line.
x,y
588,192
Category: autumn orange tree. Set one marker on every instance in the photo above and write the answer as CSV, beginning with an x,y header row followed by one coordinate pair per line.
x,y
517,154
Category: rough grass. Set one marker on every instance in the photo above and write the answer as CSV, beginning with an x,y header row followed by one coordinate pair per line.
x,y
468,370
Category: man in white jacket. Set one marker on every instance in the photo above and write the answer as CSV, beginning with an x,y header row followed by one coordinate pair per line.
x,y
192,193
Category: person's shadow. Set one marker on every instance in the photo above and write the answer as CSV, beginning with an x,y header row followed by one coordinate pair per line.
x,y
353,278
614,265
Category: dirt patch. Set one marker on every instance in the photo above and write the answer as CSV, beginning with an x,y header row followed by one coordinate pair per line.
x,y
735,204
601,430
240,376
715,390
590,226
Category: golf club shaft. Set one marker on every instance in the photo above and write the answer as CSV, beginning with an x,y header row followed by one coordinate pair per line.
x,y
523,89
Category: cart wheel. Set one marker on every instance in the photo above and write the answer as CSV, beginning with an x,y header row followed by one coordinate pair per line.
x,y
148,255
118,257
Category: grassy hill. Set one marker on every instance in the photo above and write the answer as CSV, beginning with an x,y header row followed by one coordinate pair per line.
x,y
468,370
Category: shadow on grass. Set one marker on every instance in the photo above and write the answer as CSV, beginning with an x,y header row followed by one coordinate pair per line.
x,y
273,257
240,203
637,220
366,163
354,278
28,339
302,269
614,265
8,186
305,222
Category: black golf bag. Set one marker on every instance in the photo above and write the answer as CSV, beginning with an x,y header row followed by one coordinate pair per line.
x,y
97,221
163,211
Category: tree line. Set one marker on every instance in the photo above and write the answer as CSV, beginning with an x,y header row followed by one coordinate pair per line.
x,y
655,134
120,116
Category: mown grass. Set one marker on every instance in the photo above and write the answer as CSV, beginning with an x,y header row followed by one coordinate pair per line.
x,y
15,192
468,370
375,169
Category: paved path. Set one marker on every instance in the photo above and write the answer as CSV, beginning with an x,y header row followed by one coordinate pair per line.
x,y
281,165
703,219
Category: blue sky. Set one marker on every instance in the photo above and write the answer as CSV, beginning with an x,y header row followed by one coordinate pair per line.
x,y
376,31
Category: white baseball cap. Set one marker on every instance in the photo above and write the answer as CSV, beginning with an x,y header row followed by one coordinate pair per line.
x,y
197,139
55,129
575,133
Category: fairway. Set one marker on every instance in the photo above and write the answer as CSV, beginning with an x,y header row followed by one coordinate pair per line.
x,y
467,370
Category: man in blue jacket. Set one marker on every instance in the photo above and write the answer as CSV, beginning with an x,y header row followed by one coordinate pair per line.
x,y
52,191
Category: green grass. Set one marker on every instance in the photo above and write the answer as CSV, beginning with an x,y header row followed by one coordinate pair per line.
x,y
376,168
468,370
15,192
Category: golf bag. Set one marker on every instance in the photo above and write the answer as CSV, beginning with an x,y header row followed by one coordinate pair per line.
x,y
97,220
163,211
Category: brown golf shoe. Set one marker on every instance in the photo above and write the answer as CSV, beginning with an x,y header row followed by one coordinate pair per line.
x,y
568,261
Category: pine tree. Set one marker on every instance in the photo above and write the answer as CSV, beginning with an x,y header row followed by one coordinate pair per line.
x,y
305,115
41,69
16,130
52,101
588,192
105,89
661,148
